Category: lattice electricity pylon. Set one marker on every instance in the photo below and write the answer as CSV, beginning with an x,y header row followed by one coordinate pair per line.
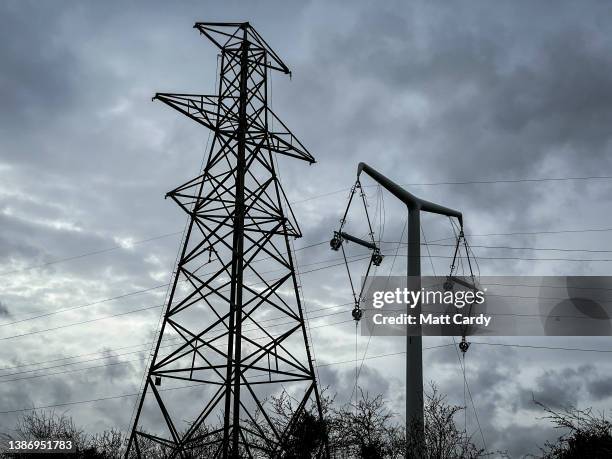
x,y
233,337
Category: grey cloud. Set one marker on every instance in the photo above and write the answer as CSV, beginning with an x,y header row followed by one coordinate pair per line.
x,y
501,115
600,388
558,388
422,91
4,310
38,75
116,367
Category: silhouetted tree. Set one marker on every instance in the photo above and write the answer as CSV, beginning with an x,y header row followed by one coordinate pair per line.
x,y
41,425
585,436
108,444
305,434
442,437
366,429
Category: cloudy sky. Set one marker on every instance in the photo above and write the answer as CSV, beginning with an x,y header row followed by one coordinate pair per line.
x,y
429,93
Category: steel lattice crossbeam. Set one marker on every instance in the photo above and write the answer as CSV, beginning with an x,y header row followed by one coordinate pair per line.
x,y
235,275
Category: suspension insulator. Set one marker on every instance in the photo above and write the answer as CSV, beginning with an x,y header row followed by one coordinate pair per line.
x,y
357,314
335,242
464,346
377,258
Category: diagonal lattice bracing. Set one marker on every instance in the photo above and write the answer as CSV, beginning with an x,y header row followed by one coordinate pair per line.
x,y
233,334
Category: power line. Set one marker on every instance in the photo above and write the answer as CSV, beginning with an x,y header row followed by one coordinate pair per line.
x,y
330,193
391,354
506,247
75,370
145,344
522,180
137,292
108,350
88,254
93,400
551,348
134,360
530,258
266,320
325,365
78,402
117,247
4,338
551,249
471,182
73,363
104,300
304,272
73,357
321,365
519,233
161,236
323,242
147,308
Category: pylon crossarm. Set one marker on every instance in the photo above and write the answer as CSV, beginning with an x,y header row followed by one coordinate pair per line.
x,y
217,33
200,108
283,141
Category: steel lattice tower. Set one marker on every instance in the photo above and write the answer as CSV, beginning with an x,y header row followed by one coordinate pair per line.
x,y
221,353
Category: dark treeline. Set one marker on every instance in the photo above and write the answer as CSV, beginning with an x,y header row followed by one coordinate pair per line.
x,y
365,429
